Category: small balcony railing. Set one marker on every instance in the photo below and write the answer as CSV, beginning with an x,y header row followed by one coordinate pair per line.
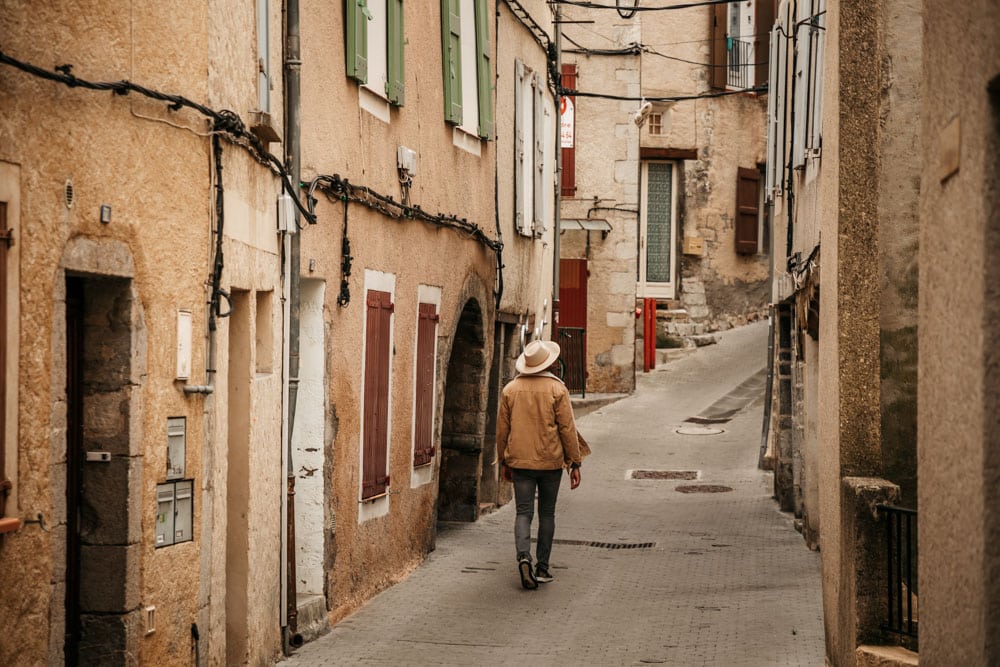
x,y
740,65
901,570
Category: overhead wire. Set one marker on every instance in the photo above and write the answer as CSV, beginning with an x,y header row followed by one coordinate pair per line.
x,y
226,122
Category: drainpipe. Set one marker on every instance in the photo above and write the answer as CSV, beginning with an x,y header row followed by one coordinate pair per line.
x,y
292,100
558,184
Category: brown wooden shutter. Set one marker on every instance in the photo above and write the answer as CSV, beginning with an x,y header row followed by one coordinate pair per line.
x,y
719,16
375,479
5,239
423,436
568,183
747,200
764,22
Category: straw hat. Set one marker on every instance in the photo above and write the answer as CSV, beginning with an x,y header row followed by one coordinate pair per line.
x,y
538,355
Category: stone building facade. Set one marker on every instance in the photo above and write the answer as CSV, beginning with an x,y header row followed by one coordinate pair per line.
x,y
880,202
659,158
128,216
146,515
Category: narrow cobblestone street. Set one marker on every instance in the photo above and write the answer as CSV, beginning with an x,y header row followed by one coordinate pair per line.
x,y
643,573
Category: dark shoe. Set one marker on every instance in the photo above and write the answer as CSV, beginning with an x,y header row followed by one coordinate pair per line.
x,y
527,573
542,575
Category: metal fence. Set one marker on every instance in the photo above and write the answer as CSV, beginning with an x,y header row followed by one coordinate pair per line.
x,y
901,571
573,341
739,73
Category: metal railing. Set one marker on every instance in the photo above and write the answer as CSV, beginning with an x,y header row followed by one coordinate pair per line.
x,y
740,69
573,341
901,571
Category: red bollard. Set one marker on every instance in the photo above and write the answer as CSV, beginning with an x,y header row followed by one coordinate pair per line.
x,y
649,335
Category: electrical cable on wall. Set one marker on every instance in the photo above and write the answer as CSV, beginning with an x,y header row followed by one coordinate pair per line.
x,y
340,189
636,8
227,123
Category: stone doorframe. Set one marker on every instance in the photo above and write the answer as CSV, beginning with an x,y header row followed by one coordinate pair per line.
x,y
100,259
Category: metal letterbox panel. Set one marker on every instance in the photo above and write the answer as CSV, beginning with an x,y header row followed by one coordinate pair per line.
x,y
176,446
184,511
164,515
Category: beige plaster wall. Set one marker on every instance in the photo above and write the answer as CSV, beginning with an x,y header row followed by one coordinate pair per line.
x,y
828,426
152,167
958,429
528,261
340,137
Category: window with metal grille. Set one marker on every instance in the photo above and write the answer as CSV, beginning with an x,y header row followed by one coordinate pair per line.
x,y
740,44
468,83
658,230
425,381
375,405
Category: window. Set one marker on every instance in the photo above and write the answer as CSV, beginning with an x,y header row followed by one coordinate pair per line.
x,y
5,484
776,100
9,290
263,58
656,123
532,151
424,386
374,47
375,403
747,211
808,95
468,84
740,32
567,131
533,161
658,230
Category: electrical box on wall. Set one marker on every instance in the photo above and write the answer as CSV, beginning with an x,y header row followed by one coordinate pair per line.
x,y
694,245
174,512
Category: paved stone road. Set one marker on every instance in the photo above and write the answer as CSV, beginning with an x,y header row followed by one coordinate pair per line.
x,y
728,582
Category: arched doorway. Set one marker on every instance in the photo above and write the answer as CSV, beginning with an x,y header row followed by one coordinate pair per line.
x,y
464,419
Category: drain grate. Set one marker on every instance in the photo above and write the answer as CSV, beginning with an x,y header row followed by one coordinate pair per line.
x,y
703,488
665,474
607,545
698,430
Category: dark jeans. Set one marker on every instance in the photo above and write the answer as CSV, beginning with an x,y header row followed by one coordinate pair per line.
x,y
525,484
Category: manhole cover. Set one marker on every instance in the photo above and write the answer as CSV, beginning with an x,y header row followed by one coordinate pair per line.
x,y
698,430
702,488
665,474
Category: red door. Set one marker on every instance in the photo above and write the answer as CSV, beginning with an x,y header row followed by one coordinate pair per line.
x,y
572,329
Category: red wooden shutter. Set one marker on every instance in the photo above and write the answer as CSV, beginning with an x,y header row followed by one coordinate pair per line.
x,y
568,183
375,478
423,436
747,199
5,484
764,22
719,60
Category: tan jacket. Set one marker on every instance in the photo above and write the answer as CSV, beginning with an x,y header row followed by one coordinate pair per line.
x,y
535,429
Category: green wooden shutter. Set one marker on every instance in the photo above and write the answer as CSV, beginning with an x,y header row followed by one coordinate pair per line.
x,y
395,81
451,60
484,76
356,18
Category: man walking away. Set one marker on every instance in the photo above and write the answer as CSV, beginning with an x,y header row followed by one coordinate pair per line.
x,y
536,439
